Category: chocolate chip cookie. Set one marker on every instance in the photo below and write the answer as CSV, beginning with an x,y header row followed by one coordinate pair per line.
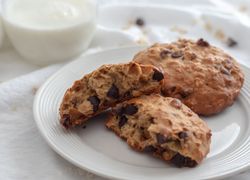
x,y
105,87
202,76
164,127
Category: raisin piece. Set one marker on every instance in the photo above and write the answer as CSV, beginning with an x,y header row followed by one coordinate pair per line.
x,y
164,53
182,135
95,101
139,22
158,76
231,42
113,92
202,42
123,120
149,149
130,109
177,54
181,161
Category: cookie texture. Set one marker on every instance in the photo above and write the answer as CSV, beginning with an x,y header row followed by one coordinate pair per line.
x,y
202,76
164,127
105,87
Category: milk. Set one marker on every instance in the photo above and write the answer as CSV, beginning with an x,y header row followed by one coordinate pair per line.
x,y
48,31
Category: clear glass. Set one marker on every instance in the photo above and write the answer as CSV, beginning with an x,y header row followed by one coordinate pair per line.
x,y
49,31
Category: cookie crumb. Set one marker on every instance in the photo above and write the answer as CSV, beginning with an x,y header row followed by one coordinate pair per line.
x,y
178,29
242,8
219,34
231,42
208,26
128,25
140,22
34,90
142,40
84,126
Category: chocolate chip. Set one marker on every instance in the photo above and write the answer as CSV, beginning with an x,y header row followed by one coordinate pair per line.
x,y
177,54
164,53
123,120
161,138
158,76
130,109
202,42
149,149
182,135
160,150
119,111
231,42
139,22
182,161
66,120
95,101
113,92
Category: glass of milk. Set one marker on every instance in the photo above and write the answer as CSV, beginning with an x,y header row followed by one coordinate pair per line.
x,y
49,31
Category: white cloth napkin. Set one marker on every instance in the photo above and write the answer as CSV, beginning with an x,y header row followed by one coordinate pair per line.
x,y
24,154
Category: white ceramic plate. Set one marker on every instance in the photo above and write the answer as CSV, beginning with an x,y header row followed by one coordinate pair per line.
x,y
100,151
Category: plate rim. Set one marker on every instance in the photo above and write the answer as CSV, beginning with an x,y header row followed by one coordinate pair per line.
x,y
65,156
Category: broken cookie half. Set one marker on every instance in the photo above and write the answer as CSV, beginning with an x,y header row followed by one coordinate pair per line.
x,y
164,127
105,87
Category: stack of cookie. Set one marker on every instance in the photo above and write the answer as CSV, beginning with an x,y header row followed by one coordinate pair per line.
x,y
155,98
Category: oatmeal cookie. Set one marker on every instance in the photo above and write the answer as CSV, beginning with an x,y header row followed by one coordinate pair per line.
x,y
162,126
105,87
202,76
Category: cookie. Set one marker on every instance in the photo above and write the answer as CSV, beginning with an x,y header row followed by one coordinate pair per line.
x,y
202,76
105,87
162,126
